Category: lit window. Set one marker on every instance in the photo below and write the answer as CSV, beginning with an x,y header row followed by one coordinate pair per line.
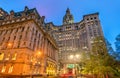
x,y
3,69
10,69
14,56
8,56
1,56
0,14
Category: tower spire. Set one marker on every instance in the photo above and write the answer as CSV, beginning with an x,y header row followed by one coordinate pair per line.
x,y
68,11
68,18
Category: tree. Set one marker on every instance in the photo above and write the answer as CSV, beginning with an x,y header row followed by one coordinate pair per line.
x,y
109,48
100,62
117,45
99,46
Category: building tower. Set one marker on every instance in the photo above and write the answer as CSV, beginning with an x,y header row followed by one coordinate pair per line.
x,y
74,38
68,18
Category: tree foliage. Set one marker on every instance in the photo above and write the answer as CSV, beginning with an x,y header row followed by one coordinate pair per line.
x,y
109,48
100,62
117,45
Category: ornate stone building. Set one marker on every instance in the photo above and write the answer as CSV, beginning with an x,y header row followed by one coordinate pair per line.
x,y
25,47
74,38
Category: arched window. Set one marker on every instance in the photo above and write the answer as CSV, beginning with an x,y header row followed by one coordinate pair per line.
x,y
3,69
7,56
10,69
1,56
14,56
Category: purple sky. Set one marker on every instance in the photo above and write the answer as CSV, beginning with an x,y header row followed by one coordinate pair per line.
x,y
54,11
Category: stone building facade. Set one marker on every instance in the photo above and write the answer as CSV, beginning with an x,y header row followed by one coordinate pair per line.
x,y
25,47
74,38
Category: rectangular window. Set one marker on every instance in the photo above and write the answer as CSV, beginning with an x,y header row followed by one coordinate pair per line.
x,y
22,29
5,32
76,27
3,69
20,37
14,37
8,38
1,32
3,39
1,56
10,69
16,31
14,56
11,31
7,56
36,32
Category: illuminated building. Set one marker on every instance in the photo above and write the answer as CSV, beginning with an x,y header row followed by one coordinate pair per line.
x,y
25,47
74,38
2,12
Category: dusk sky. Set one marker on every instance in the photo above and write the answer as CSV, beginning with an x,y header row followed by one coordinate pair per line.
x,y
54,10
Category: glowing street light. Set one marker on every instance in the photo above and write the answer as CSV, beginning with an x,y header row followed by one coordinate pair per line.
x,y
9,44
39,53
75,58
36,61
71,56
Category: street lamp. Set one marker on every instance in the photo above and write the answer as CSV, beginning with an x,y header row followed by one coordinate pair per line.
x,y
8,53
38,57
9,44
35,63
71,56
75,58
39,53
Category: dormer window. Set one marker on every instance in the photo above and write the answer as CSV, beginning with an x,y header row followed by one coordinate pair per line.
x,y
0,14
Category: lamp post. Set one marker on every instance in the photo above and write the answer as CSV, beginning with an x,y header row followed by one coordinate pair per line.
x,y
9,44
35,63
75,58
38,59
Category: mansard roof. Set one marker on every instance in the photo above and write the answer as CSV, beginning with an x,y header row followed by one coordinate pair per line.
x,y
26,12
3,13
29,11
97,13
3,10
